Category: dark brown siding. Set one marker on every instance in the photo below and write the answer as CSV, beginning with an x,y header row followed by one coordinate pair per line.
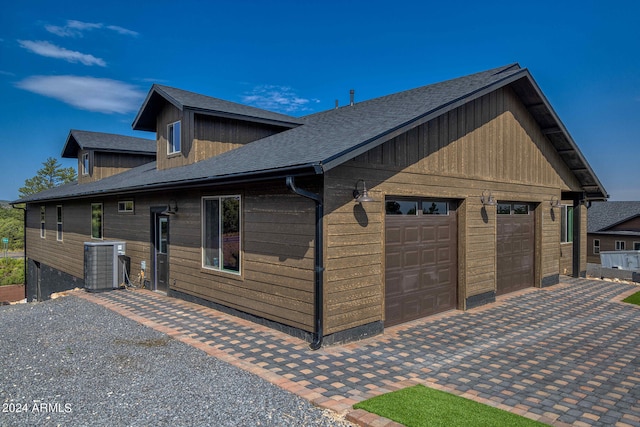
x,y
103,165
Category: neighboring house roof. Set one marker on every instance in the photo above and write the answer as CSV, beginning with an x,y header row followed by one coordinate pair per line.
x,y
603,216
99,141
159,95
328,139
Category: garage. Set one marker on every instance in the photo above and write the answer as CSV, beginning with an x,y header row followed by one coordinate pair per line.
x,y
515,247
420,258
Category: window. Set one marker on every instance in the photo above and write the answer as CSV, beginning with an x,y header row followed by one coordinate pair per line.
x,y
59,222
173,138
620,245
85,164
504,209
636,246
221,231
43,214
96,220
416,207
125,206
596,246
566,224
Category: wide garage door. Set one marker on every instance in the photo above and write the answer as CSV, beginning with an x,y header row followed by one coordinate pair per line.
x,y
421,258
515,249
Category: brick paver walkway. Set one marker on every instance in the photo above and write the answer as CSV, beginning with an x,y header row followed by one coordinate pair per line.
x,y
565,355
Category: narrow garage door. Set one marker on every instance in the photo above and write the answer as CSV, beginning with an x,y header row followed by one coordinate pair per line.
x,y
515,249
421,258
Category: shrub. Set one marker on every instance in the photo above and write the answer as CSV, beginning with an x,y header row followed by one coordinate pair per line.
x,y
11,271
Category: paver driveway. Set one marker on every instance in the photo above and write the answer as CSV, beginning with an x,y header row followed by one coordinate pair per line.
x,y
568,354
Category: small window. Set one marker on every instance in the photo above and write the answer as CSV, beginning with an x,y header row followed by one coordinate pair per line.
x,y
520,209
59,222
125,206
173,138
596,246
401,207
566,224
85,164
504,209
434,208
636,246
221,233
43,215
96,221
620,245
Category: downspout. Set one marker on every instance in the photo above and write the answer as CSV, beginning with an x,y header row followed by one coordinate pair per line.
x,y
318,259
24,245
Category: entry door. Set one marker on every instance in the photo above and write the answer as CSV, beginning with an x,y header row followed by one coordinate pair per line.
x,y
161,247
420,258
515,247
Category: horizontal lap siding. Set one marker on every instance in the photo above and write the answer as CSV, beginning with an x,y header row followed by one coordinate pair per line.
x,y
277,256
491,143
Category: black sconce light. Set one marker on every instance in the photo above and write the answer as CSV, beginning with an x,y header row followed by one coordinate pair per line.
x,y
487,199
364,196
555,202
170,210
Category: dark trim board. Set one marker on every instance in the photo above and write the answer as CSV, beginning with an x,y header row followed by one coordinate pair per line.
x,y
480,299
550,280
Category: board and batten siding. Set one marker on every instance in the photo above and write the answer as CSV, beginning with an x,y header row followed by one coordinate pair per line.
x,y
277,264
491,143
103,165
204,136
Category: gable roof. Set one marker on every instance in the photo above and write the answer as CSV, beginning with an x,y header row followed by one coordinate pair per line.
x,y
603,216
99,141
159,96
325,140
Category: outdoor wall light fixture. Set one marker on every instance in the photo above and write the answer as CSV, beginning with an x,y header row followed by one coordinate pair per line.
x,y
170,210
487,199
364,196
555,202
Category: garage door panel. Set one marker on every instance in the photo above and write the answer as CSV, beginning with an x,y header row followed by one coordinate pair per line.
x,y
427,281
515,252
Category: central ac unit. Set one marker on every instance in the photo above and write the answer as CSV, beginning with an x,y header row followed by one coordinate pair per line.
x,y
105,265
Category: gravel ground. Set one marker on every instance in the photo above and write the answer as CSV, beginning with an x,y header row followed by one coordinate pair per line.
x,y
73,363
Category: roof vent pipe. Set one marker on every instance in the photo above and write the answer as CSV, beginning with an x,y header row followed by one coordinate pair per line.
x,y
336,104
352,94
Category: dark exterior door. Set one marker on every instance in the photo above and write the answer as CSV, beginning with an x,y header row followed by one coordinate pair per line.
x,y
160,252
515,247
420,259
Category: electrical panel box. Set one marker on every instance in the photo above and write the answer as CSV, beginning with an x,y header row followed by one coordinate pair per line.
x,y
105,265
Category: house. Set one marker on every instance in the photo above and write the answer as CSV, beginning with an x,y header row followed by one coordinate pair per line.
x,y
335,225
612,226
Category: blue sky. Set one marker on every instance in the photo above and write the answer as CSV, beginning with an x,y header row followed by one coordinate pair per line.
x,y
88,65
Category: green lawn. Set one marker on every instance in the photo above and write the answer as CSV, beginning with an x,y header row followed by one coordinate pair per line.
x,y
422,406
633,299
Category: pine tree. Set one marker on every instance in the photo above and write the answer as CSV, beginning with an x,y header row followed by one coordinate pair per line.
x,y
52,174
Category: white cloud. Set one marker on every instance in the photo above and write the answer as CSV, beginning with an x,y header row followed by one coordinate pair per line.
x,y
77,28
277,98
87,93
50,50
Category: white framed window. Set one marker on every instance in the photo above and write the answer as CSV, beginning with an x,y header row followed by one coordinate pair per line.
x,y
173,138
125,206
96,221
566,224
596,246
59,223
221,233
620,245
43,217
636,246
85,164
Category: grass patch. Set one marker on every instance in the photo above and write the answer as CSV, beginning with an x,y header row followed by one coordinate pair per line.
x,y
633,299
11,271
422,406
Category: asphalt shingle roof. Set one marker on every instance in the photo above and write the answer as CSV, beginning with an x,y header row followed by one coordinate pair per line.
x,y
87,140
604,215
322,141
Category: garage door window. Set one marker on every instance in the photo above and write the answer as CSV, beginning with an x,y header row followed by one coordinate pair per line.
x,y
513,209
417,207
